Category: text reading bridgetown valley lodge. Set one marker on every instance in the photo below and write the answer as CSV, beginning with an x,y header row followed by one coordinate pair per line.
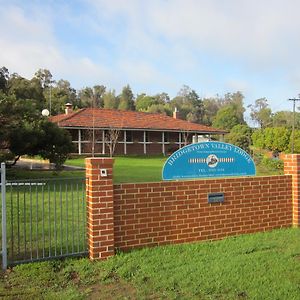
x,y
208,159
209,147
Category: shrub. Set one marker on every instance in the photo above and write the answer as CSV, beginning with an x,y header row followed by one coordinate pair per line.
x,y
273,163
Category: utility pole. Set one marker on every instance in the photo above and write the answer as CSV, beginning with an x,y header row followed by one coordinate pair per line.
x,y
293,132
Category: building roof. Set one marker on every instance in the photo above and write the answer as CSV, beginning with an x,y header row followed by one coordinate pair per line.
x,y
111,118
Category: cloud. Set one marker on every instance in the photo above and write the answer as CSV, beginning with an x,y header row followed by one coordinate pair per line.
x,y
210,45
259,33
30,43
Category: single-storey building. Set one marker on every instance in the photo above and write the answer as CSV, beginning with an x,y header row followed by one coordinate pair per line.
x,y
97,131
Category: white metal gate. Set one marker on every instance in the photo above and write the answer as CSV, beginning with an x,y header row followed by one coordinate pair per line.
x,y
42,219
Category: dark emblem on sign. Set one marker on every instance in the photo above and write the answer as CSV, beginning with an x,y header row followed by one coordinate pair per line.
x,y
212,160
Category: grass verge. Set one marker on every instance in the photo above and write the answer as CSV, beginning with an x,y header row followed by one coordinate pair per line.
x,y
257,266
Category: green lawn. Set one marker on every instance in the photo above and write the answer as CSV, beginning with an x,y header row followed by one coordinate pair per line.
x,y
143,169
132,169
17,174
258,266
126,169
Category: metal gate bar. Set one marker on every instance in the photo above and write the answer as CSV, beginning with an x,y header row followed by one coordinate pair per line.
x,y
46,219
3,219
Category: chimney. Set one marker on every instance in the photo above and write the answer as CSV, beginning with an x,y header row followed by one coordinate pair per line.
x,y
69,108
176,114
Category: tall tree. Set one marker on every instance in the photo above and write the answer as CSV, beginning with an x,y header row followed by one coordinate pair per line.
x,y
285,119
231,113
226,118
126,99
45,77
162,98
189,104
89,97
143,102
22,127
4,76
110,100
26,89
210,110
62,93
261,112
236,102
240,135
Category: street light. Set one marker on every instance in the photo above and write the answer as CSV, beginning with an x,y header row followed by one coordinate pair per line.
x,y
45,112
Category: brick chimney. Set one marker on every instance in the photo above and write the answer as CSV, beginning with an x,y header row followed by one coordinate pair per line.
x,y
69,108
176,114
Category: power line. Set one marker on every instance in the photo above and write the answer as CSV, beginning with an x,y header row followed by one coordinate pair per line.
x,y
293,132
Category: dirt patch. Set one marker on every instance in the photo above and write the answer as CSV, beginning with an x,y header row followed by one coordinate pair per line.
x,y
116,290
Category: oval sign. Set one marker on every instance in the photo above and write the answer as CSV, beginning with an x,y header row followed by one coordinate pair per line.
x,y
208,159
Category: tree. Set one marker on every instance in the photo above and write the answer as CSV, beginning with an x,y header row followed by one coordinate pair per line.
x,y
261,113
285,119
185,137
126,99
92,97
23,130
258,139
54,144
159,103
4,76
30,91
111,139
45,77
277,138
62,93
189,104
240,135
110,100
235,101
210,110
231,113
281,139
296,142
162,98
226,118
158,109
143,102
99,91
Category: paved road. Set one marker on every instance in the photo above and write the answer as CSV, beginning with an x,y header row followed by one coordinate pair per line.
x,y
32,165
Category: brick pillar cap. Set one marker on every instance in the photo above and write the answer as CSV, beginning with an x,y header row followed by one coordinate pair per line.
x,y
288,157
96,160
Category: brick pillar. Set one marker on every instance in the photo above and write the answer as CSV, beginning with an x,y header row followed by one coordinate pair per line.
x,y
100,210
292,167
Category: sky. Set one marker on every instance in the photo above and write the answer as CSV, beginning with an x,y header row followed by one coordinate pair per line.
x,y
213,46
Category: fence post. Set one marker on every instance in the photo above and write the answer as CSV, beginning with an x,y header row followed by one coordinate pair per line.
x,y
292,167
100,207
3,198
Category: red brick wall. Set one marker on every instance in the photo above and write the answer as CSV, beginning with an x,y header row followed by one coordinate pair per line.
x,y
100,210
149,214
292,167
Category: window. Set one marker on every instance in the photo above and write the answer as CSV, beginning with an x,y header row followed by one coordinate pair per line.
x,y
129,137
166,137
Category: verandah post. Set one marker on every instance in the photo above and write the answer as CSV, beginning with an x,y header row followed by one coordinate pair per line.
x,y
100,207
